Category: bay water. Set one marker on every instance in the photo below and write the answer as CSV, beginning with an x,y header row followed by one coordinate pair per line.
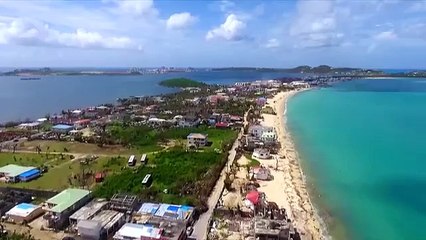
x,y
363,148
33,99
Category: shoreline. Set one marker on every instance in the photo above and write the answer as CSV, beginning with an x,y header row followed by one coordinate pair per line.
x,y
305,216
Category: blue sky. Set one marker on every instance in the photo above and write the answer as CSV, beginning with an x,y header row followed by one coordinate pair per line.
x,y
361,33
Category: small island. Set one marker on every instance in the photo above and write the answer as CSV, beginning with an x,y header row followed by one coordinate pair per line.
x,y
181,83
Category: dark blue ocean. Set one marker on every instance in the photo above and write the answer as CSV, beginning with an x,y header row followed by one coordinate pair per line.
x,y
20,100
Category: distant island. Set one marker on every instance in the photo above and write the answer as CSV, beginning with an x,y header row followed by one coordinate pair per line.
x,y
181,83
304,69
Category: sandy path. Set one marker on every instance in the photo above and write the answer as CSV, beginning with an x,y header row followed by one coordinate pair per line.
x,y
295,194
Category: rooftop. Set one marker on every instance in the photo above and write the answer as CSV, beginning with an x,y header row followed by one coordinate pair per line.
x,y
66,199
197,135
22,210
89,210
62,127
13,170
136,231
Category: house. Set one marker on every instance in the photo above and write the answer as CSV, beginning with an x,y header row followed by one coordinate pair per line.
x,y
197,140
88,211
257,130
261,153
29,126
102,226
131,231
272,229
62,205
62,128
189,121
260,173
161,230
222,125
268,137
82,123
24,213
15,173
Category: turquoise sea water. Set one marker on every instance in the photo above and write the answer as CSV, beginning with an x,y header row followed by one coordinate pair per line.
x,y
363,146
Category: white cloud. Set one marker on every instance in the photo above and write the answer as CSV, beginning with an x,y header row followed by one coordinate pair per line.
x,y
316,24
137,7
272,43
231,30
180,20
386,35
25,32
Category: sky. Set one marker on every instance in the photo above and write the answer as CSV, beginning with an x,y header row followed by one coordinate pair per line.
x,y
191,33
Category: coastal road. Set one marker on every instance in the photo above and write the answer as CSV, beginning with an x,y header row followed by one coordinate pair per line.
x,y
202,224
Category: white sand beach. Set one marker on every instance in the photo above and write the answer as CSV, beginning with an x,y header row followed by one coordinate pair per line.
x,y
289,175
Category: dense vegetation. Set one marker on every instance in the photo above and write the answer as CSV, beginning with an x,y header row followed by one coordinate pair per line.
x,y
181,82
146,138
179,177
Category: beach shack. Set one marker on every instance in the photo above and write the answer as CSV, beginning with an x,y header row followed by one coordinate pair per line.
x,y
61,206
24,213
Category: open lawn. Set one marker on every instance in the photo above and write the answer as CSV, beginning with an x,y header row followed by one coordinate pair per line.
x,y
31,159
178,177
69,174
75,147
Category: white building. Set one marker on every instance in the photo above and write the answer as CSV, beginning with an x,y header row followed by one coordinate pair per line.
x,y
268,137
258,130
197,140
261,153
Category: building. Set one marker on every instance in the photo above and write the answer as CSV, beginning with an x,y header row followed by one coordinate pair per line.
x,y
261,153
123,203
132,231
24,213
82,123
268,137
257,130
15,173
167,211
29,126
197,140
102,226
88,211
60,207
162,230
267,229
260,173
62,128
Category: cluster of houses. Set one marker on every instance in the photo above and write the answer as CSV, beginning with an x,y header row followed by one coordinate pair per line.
x,y
123,217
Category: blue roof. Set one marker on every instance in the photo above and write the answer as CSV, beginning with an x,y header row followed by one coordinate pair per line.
x,y
30,173
62,127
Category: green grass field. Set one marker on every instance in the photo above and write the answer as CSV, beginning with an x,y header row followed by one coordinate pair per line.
x,y
57,178
75,147
31,159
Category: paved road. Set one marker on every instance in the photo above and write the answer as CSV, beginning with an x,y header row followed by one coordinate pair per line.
x,y
202,225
